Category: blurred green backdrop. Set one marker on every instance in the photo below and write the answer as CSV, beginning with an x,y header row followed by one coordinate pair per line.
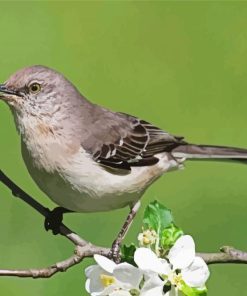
x,y
180,65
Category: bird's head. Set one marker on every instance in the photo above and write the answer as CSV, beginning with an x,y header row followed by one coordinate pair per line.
x,y
37,91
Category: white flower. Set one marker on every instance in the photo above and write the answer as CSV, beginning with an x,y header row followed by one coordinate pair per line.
x,y
154,286
109,278
147,237
184,266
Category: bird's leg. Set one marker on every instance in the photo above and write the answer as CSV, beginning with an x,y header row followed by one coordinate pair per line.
x,y
55,218
115,250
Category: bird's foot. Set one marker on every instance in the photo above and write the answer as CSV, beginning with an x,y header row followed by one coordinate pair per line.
x,y
115,251
54,220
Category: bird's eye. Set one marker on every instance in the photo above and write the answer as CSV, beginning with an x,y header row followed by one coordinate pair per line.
x,y
35,88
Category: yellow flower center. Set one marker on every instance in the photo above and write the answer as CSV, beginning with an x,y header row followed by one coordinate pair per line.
x,y
147,237
107,280
175,279
146,241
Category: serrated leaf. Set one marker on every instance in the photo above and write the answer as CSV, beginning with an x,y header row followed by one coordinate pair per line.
x,y
157,217
127,253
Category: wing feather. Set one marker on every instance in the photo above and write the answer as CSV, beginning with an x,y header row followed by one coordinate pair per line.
x,y
128,142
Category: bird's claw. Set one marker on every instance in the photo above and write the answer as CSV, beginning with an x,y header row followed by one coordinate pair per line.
x,y
54,220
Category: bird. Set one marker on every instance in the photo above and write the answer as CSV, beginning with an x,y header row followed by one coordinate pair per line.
x,y
87,158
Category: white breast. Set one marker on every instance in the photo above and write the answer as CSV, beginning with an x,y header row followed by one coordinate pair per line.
x,y
80,184
72,179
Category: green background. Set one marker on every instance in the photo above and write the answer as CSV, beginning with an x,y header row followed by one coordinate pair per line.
x,y
180,65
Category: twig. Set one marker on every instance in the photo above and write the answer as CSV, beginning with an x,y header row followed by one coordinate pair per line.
x,y
227,254
80,253
85,249
18,192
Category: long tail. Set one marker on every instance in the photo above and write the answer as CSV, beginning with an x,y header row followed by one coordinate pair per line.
x,y
207,152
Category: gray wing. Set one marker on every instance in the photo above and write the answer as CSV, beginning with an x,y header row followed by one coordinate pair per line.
x,y
120,141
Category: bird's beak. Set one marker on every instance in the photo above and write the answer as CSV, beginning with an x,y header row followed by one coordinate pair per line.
x,y
8,95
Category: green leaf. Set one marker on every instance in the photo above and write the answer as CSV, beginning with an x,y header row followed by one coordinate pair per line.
x,y
157,217
189,291
127,253
169,236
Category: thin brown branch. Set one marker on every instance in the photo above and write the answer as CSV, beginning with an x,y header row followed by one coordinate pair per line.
x,y
79,254
227,254
85,249
18,192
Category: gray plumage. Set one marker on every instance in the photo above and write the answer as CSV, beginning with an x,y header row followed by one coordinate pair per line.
x,y
67,141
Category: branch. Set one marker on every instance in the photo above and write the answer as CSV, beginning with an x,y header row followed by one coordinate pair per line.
x,y
18,192
227,254
80,253
84,249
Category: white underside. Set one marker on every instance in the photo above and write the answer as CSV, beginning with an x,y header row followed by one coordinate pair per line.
x,y
82,185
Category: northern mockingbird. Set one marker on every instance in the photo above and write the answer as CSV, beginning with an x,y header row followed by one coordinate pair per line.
x,y
87,158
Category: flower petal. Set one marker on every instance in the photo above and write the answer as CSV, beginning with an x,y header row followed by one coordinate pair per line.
x,y
196,274
182,253
148,274
120,293
105,263
87,285
108,290
93,283
90,270
147,260
128,276
174,292
153,286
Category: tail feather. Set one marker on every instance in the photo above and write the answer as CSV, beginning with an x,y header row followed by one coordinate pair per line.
x,y
191,151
